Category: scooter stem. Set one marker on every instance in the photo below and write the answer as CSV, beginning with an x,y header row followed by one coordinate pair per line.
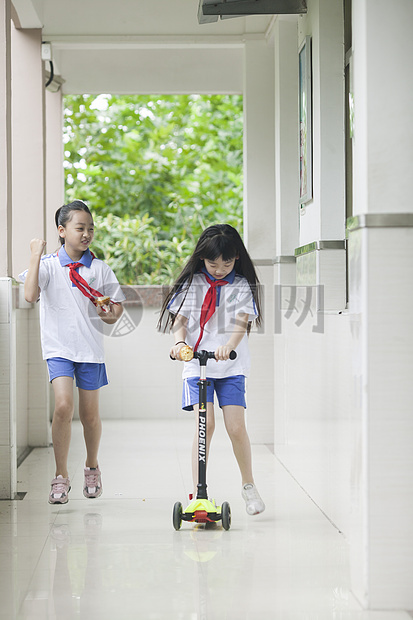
x,y
202,426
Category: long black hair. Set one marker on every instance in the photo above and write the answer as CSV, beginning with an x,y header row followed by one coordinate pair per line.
x,y
215,241
64,214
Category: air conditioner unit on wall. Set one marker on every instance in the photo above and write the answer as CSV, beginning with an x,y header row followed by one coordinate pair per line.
x,y
211,10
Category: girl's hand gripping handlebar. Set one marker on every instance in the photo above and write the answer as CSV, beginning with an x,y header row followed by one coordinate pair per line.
x,y
186,354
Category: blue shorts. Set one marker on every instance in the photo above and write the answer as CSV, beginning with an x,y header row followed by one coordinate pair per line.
x,y
89,376
229,391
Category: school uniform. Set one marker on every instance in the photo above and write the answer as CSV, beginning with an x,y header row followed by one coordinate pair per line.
x,y
232,299
69,324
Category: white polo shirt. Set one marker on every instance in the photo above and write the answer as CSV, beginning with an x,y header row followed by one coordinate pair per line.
x,y
69,324
232,299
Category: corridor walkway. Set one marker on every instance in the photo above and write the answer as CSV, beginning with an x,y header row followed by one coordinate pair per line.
x,y
119,558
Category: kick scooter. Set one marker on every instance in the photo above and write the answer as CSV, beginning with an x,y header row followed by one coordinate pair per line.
x,y
201,509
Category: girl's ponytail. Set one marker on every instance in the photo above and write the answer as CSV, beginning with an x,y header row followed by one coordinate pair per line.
x,y
56,219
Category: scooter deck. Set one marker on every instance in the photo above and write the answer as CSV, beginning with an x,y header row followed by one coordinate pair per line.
x,y
202,511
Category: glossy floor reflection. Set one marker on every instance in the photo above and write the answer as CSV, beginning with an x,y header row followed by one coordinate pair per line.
x,y
119,558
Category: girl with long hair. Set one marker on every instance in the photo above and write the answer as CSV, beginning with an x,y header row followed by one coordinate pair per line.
x,y
211,306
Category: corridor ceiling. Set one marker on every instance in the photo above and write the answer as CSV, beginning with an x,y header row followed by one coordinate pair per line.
x,y
141,46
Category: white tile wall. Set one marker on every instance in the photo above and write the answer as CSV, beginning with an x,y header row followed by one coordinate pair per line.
x,y
4,412
343,413
144,382
6,475
307,269
22,380
328,268
381,296
5,301
4,350
260,383
313,427
8,462
38,386
332,273
285,273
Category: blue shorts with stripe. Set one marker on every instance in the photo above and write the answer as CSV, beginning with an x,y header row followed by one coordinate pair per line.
x,y
89,375
229,391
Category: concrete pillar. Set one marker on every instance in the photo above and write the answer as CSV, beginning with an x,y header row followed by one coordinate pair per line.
x,y
259,221
259,172
28,144
381,298
5,140
8,466
322,219
29,155
54,164
286,136
8,463
8,450
286,196
286,149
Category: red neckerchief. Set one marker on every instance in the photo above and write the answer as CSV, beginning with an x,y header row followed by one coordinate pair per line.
x,y
81,283
209,304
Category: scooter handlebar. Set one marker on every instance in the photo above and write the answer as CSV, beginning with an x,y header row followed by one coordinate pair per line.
x,y
211,354
200,354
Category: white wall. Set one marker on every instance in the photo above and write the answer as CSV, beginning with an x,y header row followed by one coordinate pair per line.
x,y
381,262
380,256
343,397
8,472
7,385
27,152
313,410
259,172
5,142
28,189
144,381
54,172
323,217
259,222
312,349
286,136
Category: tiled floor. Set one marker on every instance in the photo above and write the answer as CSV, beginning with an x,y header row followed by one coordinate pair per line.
x,y
119,557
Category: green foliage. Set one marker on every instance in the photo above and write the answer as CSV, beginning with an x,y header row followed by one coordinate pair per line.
x,y
155,172
132,247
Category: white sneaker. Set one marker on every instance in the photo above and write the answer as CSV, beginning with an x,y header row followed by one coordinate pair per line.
x,y
254,503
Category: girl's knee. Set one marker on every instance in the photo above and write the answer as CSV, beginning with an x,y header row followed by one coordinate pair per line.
x,y
234,419
90,419
63,410
210,428
236,430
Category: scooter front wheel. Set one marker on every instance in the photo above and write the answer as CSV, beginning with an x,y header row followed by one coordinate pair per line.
x,y
226,516
177,516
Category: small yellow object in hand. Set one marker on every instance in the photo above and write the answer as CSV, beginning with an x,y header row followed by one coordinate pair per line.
x,y
186,353
102,301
